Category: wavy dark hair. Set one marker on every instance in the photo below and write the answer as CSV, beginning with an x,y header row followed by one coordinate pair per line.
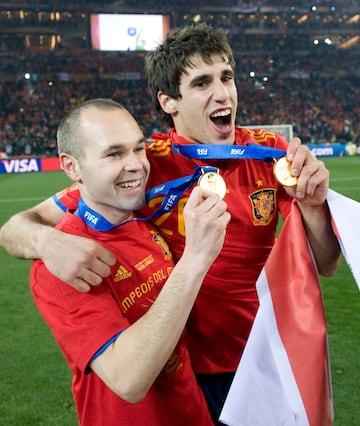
x,y
167,63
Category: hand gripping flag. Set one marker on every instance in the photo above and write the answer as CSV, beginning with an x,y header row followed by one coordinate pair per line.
x,y
284,374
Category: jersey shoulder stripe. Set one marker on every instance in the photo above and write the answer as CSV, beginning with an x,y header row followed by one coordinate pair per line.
x,y
159,148
261,135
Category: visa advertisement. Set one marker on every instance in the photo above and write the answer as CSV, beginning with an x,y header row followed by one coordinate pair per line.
x,y
26,165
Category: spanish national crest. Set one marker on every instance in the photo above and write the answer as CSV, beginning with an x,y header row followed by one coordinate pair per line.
x,y
263,206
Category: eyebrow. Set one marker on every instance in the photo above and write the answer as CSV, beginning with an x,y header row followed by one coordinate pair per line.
x,y
228,71
120,146
202,77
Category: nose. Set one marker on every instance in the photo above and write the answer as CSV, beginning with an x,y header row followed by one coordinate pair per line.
x,y
221,92
133,162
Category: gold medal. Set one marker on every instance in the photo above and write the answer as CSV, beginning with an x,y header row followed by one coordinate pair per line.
x,y
213,182
283,174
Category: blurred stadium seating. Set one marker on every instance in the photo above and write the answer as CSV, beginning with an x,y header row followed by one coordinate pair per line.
x,y
297,63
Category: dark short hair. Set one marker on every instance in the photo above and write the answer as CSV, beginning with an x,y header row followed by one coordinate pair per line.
x,y
67,132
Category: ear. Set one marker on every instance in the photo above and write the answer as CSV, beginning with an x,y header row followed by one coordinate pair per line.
x,y
168,104
70,166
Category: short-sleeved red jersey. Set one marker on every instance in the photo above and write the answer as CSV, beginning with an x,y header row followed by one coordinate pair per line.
x,y
225,308
83,322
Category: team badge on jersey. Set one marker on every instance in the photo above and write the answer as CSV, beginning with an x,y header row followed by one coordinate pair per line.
x,y
162,243
263,206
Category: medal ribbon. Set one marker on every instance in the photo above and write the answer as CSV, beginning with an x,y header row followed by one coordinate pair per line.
x,y
172,190
92,218
220,152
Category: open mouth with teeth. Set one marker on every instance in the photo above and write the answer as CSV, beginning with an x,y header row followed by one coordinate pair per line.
x,y
221,119
130,185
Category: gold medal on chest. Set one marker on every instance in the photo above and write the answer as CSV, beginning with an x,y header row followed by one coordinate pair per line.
x,y
213,182
282,172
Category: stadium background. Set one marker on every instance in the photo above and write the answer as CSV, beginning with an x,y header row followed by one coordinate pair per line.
x,y
298,63
305,58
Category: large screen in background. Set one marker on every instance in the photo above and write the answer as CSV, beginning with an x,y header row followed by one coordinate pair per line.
x,y
127,32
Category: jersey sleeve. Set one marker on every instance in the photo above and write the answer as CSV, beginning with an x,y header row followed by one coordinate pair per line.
x,y
82,323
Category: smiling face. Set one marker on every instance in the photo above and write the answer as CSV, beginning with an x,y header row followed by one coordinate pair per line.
x,y
112,169
206,111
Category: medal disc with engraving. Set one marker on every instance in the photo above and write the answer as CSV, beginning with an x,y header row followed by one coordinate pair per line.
x,y
283,174
213,182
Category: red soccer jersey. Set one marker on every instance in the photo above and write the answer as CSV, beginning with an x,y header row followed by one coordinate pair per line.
x,y
83,322
227,302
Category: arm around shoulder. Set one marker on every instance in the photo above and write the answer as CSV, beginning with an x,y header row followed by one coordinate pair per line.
x,y
24,234
31,234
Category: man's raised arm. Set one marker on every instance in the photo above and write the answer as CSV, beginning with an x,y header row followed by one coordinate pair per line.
x,y
311,192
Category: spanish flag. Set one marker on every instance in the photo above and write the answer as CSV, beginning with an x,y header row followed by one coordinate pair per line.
x,y
283,377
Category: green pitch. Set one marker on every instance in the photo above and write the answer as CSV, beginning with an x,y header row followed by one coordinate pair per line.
x,y
34,378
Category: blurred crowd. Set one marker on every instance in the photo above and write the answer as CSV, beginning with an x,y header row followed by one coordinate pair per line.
x,y
318,94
